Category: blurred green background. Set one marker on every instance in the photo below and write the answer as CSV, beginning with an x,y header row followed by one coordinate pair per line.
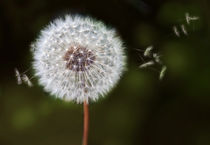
x,y
141,110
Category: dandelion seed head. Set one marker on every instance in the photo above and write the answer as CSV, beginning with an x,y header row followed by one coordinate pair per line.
x,y
78,58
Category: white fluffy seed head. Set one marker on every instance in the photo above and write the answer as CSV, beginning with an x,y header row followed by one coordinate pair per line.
x,y
78,58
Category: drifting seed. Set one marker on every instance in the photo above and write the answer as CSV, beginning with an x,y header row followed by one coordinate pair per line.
x,y
149,63
27,80
184,29
188,18
157,58
148,50
162,72
17,74
176,31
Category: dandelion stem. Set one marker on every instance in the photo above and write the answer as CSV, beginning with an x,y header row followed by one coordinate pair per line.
x,y
86,123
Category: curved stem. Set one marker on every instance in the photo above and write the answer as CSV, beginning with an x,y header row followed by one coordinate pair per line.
x,y
86,123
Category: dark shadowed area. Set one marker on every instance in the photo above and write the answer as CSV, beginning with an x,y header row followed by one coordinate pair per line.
x,y
141,109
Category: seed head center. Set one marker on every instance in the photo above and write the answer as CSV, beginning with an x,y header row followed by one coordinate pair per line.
x,y
78,58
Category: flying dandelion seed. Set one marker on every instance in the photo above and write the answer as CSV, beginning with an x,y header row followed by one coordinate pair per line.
x,y
147,64
189,18
26,80
162,72
157,58
18,77
147,52
78,58
184,29
176,32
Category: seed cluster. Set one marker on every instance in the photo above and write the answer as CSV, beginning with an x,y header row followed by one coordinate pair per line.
x,y
79,58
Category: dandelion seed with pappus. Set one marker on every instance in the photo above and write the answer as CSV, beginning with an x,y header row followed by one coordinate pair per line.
x,y
78,59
